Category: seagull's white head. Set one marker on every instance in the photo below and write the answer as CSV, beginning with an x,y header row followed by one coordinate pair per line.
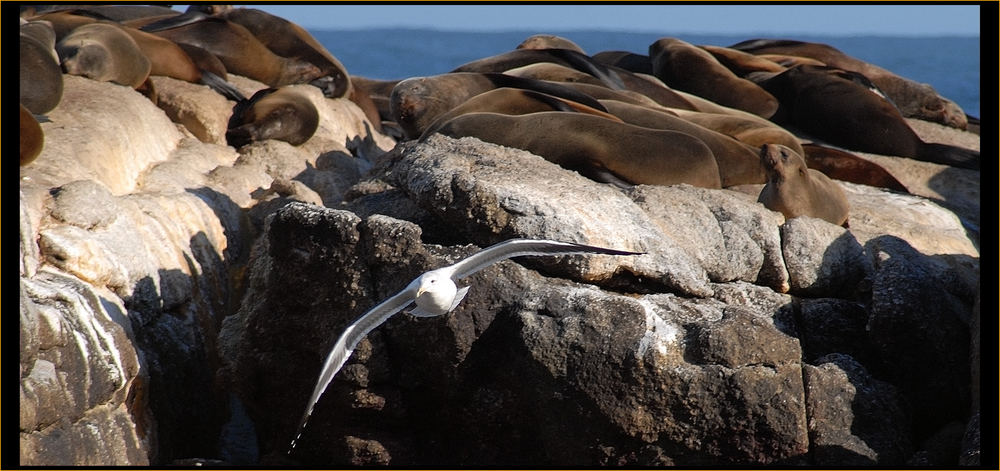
x,y
435,292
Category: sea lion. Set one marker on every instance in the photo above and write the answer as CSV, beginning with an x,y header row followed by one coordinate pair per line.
x,y
416,102
549,41
604,93
753,132
285,114
514,101
31,136
790,61
610,76
796,190
914,99
169,59
241,52
379,91
552,72
103,52
739,163
43,32
599,148
742,63
845,166
280,36
689,68
636,63
833,106
41,81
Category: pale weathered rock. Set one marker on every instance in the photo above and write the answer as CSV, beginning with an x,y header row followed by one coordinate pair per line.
x,y
79,371
927,226
203,111
854,419
492,193
101,131
822,259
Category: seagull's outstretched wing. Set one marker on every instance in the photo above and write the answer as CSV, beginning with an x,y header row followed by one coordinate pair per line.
x,y
520,247
349,340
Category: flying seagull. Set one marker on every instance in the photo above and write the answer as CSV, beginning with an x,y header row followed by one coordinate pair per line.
x,y
434,294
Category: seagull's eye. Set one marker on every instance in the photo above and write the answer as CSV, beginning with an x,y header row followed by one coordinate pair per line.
x,y
433,280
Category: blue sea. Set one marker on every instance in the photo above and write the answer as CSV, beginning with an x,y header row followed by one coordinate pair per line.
x,y
949,64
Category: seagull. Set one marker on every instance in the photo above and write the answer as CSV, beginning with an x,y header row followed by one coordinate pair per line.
x,y
434,293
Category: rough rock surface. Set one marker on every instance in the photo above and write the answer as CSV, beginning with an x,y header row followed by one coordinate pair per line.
x,y
178,297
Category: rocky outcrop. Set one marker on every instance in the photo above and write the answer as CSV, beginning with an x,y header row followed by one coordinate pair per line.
x,y
179,296
134,237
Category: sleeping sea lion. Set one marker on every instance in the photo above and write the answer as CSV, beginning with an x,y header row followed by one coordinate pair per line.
x,y
417,102
739,163
597,147
549,41
689,68
41,81
103,52
832,105
915,100
31,136
285,114
514,101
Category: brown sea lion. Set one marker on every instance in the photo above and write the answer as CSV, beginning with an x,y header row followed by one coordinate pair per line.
x,y
604,93
832,105
285,114
514,101
241,52
379,91
610,76
417,102
915,100
169,59
103,52
280,36
796,190
599,148
845,166
549,41
636,63
552,72
689,68
41,81
290,40
31,136
752,131
739,163
742,63
789,61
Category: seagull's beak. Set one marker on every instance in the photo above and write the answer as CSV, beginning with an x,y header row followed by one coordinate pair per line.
x,y
420,291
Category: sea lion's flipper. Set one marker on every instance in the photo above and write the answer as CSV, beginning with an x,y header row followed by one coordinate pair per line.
x,y
949,155
584,63
751,45
224,88
848,167
183,19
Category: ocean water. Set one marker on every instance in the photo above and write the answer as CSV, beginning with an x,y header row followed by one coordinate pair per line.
x,y
949,64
